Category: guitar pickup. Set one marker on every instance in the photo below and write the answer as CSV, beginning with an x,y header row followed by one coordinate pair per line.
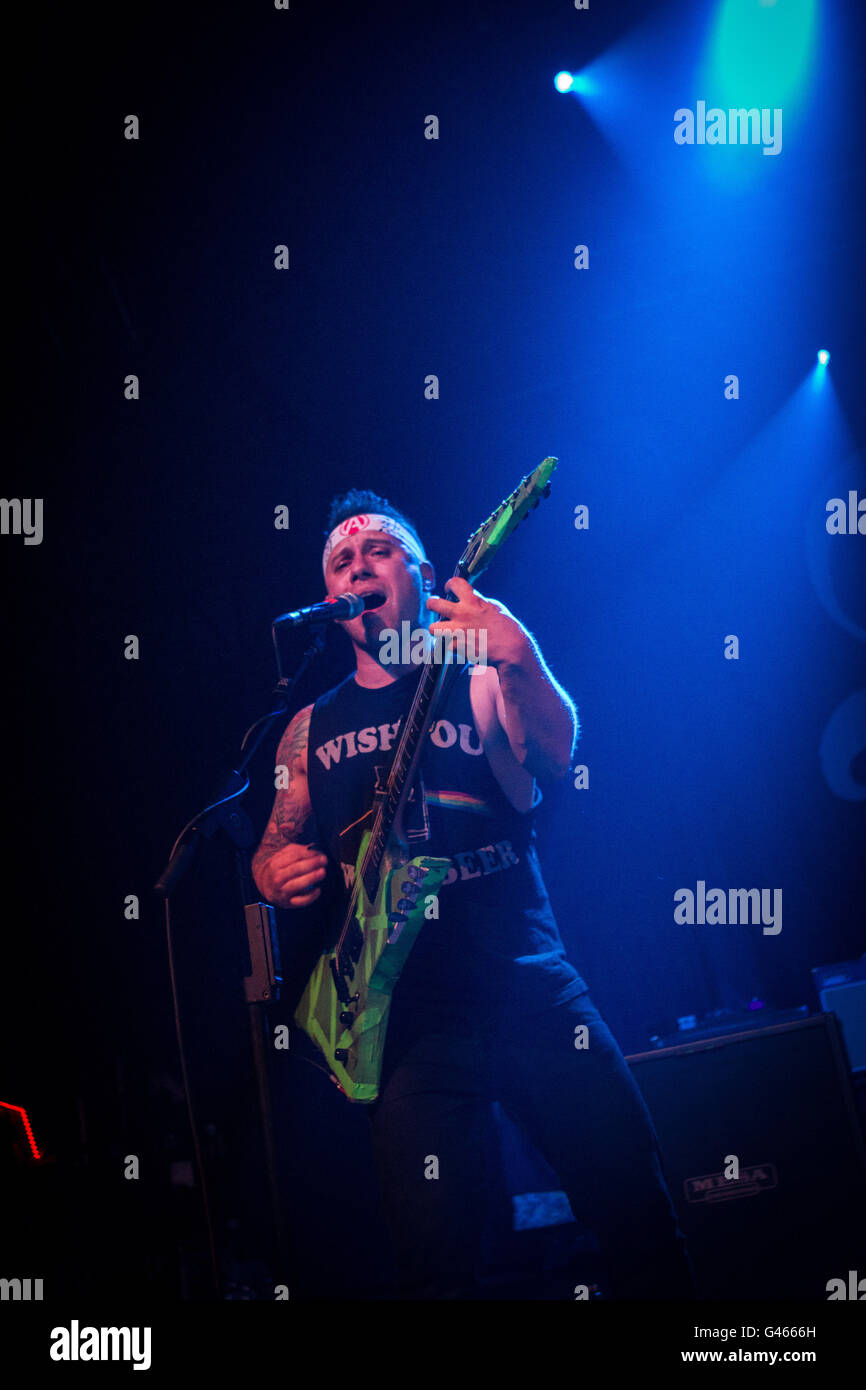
x,y
355,942
339,982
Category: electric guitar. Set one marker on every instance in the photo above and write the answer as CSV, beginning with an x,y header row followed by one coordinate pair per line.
x,y
344,1007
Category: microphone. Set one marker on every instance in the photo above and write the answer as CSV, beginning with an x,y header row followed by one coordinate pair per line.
x,y
339,609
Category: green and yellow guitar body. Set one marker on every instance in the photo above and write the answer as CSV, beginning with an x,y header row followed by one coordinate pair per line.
x,y
344,1008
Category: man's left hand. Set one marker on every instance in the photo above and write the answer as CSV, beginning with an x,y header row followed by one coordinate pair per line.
x,y
507,639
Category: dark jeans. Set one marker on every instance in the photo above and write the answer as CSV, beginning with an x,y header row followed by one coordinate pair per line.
x,y
580,1108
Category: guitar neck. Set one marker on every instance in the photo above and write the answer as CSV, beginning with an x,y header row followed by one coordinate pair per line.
x,y
431,688
436,678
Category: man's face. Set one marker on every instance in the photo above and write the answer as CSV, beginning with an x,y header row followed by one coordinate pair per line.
x,y
376,562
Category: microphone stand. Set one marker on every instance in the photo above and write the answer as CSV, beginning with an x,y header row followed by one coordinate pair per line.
x,y
262,985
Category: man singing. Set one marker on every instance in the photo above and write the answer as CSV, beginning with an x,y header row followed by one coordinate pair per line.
x,y
487,1007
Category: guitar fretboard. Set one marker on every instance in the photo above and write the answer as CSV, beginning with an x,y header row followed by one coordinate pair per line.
x,y
406,758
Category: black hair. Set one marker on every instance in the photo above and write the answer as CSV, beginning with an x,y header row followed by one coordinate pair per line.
x,y
358,500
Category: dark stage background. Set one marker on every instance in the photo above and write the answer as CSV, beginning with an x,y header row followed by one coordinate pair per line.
x,y
263,387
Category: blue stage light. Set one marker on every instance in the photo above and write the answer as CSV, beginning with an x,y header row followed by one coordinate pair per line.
x,y
563,81
823,357
762,52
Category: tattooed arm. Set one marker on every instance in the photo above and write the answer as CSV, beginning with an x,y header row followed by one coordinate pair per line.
x,y
286,870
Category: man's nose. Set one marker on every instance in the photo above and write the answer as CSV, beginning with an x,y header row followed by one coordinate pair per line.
x,y
361,570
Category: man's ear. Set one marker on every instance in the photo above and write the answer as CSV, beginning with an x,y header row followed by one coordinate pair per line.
x,y
428,576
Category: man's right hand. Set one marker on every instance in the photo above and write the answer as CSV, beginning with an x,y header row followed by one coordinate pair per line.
x,y
293,876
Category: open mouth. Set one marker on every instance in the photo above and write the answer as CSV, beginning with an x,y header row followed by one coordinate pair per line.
x,y
374,594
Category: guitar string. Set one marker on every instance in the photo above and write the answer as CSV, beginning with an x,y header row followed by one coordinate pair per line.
x,y
464,570
377,825
438,682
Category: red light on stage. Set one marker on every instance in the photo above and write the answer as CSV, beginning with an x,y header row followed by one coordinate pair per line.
x,y
19,1110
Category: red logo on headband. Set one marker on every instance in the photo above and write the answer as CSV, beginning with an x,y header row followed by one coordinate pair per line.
x,y
353,524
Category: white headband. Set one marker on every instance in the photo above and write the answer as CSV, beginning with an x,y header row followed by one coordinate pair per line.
x,y
371,521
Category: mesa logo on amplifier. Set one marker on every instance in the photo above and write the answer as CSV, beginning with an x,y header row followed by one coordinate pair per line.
x,y
715,1187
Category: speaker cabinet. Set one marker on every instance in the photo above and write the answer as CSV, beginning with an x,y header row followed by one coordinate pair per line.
x,y
776,1106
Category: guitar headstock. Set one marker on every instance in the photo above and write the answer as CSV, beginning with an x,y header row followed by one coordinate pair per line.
x,y
484,543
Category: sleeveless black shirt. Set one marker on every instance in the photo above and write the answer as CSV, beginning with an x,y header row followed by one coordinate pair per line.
x,y
495,943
